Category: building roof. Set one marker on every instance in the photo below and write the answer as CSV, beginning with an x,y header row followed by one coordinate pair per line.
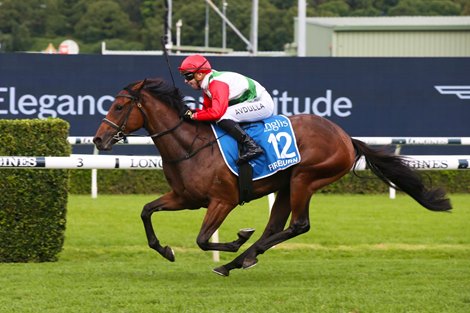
x,y
393,23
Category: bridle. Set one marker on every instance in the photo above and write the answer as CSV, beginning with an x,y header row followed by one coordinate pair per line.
x,y
121,129
135,101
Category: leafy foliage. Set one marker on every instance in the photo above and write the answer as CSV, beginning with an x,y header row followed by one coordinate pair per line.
x,y
103,20
426,7
140,23
33,202
153,182
119,182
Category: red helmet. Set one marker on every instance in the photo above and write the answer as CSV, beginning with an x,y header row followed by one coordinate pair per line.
x,y
195,63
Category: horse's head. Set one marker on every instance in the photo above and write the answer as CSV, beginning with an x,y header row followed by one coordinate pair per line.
x,y
133,109
124,117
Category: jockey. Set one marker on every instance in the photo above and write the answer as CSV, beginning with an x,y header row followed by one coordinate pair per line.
x,y
229,99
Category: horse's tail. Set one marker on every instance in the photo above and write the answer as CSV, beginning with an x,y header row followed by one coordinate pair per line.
x,y
393,170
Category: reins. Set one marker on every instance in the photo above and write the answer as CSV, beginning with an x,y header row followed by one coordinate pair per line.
x,y
163,133
190,154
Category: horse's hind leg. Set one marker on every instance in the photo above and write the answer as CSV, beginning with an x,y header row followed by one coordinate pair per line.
x,y
300,195
299,224
216,214
298,203
277,221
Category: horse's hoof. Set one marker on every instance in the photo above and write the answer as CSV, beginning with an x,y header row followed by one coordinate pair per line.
x,y
221,270
249,263
169,254
246,233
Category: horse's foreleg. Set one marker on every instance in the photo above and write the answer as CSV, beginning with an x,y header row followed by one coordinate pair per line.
x,y
168,202
279,214
217,211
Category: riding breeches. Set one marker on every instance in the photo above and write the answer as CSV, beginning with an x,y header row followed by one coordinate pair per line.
x,y
251,111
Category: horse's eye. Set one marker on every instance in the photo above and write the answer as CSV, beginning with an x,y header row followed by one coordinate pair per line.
x,y
119,107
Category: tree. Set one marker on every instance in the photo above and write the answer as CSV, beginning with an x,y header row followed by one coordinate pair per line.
x,y
425,8
284,4
333,8
275,28
132,9
193,17
52,19
363,8
70,12
151,34
13,13
104,20
15,16
466,8
20,39
28,23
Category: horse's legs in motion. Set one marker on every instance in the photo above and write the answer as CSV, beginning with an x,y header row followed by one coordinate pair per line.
x,y
297,199
277,221
216,214
168,202
299,224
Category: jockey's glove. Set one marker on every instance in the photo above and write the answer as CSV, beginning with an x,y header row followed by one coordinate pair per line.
x,y
188,115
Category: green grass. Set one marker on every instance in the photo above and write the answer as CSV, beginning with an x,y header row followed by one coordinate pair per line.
x,y
362,254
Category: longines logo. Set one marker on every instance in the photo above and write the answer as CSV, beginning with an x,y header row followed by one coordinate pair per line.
x,y
462,92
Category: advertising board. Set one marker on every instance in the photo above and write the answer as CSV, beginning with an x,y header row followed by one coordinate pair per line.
x,y
366,96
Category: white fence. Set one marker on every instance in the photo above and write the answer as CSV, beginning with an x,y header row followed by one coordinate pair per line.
x,y
83,161
95,161
426,141
142,162
415,141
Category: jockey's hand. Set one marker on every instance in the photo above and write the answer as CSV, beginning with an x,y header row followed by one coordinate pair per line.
x,y
188,115
183,110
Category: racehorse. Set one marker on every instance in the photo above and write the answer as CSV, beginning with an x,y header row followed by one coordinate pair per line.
x,y
198,176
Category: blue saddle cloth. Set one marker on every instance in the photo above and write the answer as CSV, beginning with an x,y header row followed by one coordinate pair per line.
x,y
274,135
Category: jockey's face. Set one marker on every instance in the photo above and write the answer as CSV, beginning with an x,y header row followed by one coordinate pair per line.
x,y
193,79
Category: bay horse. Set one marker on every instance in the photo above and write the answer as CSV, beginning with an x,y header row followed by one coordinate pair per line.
x,y
198,176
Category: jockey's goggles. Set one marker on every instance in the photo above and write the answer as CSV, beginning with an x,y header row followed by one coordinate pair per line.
x,y
190,75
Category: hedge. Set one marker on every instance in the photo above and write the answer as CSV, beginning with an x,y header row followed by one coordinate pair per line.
x,y
33,202
120,182
153,182
453,181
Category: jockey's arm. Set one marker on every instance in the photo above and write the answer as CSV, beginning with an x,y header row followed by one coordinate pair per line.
x,y
214,108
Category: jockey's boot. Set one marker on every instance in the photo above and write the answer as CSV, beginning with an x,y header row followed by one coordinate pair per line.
x,y
250,148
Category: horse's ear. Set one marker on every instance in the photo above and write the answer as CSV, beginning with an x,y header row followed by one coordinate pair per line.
x,y
139,86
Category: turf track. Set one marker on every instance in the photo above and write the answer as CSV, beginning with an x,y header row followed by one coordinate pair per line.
x,y
362,254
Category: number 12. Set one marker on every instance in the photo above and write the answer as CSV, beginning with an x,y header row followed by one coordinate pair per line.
x,y
274,141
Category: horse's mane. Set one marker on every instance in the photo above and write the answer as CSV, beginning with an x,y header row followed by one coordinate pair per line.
x,y
163,91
